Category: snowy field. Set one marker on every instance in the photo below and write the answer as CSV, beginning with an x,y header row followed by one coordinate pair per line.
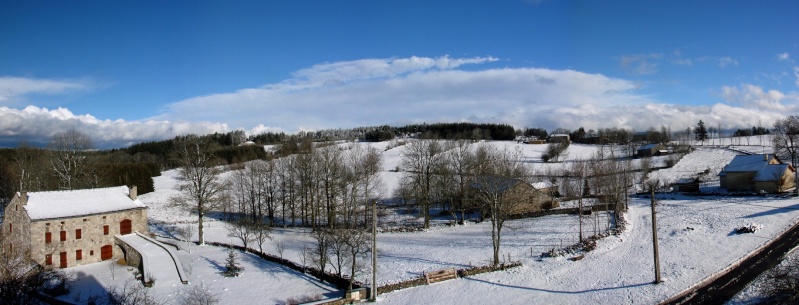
x,y
696,240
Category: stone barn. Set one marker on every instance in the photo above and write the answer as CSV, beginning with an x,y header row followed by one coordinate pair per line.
x,y
63,229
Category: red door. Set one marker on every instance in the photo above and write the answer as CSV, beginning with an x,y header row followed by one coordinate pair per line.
x,y
125,227
106,252
63,260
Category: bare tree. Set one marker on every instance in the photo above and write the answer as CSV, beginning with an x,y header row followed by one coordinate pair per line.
x,y
131,293
786,141
577,188
20,277
198,294
421,161
68,156
200,188
496,174
243,229
357,242
186,232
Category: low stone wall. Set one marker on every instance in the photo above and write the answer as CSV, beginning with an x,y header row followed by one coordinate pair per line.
x,y
132,256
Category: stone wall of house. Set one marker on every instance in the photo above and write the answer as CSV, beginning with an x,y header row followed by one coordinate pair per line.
x,y
93,237
16,227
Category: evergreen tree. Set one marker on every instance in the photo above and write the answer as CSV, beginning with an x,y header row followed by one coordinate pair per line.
x,y
232,269
701,131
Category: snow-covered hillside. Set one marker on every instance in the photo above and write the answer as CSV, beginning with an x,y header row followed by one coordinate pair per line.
x,y
695,237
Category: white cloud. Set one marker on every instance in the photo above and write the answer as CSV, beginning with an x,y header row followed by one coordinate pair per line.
x,y
755,97
784,56
684,62
37,125
413,90
13,89
726,61
796,74
640,64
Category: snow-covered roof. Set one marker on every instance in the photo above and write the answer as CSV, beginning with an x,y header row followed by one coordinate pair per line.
x,y
772,172
543,185
61,204
748,163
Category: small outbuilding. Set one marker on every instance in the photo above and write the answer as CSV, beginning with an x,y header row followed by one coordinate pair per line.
x,y
649,150
687,185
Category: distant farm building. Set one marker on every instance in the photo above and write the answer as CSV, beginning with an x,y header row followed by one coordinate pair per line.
x,y
558,138
71,228
521,196
687,185
649,150
757,173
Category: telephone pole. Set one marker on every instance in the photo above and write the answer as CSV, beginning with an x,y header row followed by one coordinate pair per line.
x,y
373,294
652,187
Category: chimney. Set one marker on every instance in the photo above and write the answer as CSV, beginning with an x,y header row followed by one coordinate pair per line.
x,y
132,193
23,197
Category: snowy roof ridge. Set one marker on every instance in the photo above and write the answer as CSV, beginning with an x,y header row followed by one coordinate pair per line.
x,y
772,172
748,163
72,203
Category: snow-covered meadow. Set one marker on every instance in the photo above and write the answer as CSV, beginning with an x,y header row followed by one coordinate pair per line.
x,y
695,236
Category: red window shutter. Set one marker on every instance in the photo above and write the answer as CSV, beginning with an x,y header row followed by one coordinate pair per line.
x,y
77,234
78,254
48,259
48,237
125,227
105,230
63,260
63,235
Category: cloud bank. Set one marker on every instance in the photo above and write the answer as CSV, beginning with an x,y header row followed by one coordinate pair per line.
x,y
399,91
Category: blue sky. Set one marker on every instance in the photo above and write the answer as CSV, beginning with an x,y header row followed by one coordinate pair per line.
x,y
130,71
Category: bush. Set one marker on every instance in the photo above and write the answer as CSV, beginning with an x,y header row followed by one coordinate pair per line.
x,y
781,284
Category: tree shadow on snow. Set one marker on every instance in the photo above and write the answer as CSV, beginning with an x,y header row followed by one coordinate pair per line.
x,y
774,211
422,260
557,291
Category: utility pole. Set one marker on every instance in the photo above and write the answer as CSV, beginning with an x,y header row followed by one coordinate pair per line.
x,y
652,187
373,295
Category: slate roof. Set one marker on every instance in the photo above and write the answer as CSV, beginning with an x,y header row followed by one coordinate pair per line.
x,y
748,163
772,172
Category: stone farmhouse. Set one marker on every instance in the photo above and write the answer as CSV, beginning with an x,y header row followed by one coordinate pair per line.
x,y
757,173
63,229
524,197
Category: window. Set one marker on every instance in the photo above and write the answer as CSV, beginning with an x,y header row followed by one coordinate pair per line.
x,y
63,260
63,235
125,227
78,254
48,259
77,234
91,252
48,237
10,227
105,230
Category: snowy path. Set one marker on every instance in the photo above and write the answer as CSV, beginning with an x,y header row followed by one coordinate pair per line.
x,y
158,264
